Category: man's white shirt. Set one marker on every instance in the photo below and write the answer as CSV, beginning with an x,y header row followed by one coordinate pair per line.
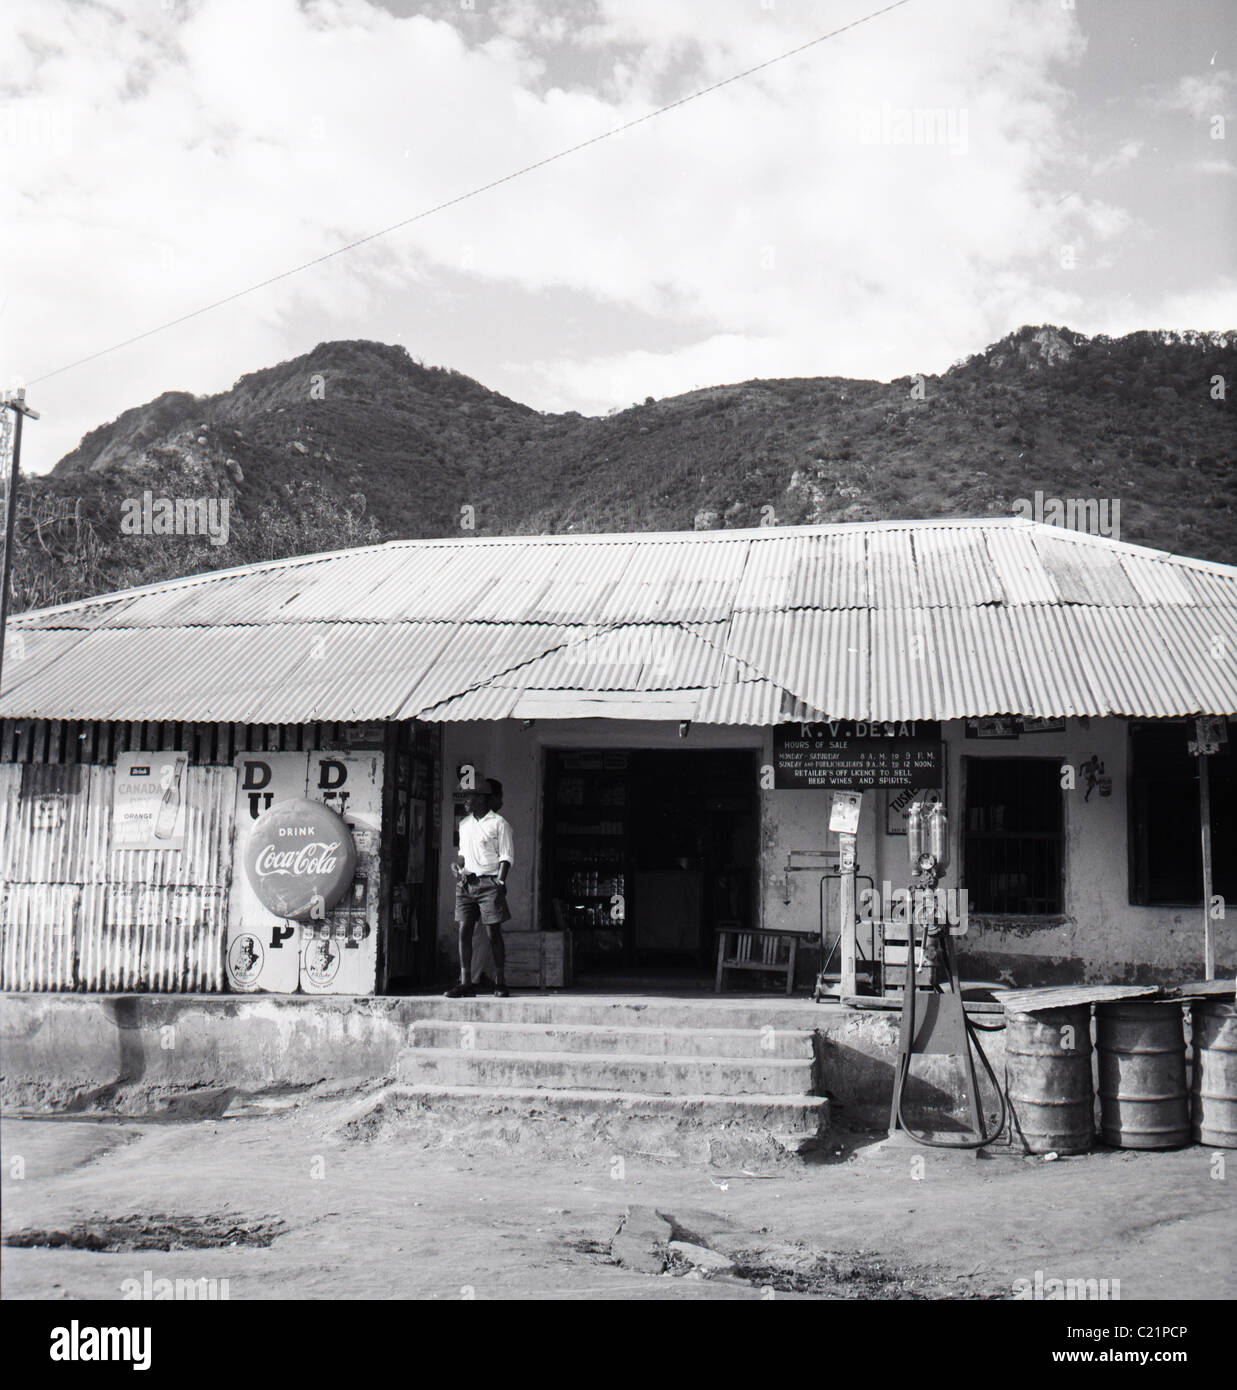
x,y
485,842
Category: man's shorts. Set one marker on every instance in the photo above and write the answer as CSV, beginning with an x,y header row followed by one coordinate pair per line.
x,y
482,898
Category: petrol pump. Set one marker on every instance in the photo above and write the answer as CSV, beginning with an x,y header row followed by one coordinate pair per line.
x,y
927,845
934,1019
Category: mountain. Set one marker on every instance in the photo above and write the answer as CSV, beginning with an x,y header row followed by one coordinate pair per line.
x,y
356,441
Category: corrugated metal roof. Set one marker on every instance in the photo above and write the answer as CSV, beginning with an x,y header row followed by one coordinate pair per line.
x,y
475,655
1017,567
1085,574
821,658
1031,1001
29,651
606,704
955,568
636,656
891,620
1159,582
756,702
892,579
487,702
804,567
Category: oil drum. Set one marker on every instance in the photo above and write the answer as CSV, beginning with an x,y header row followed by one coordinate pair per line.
x,y
1048,1079
1143,1100
1215,1073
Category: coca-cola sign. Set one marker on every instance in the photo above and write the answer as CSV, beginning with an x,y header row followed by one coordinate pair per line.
x,y
300,859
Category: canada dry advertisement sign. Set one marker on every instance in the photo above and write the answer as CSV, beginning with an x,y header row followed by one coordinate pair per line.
x,y
148,804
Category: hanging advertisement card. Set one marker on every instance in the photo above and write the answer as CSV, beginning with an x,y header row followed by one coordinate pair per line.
x,y
898,804
995,726
844,812
148,801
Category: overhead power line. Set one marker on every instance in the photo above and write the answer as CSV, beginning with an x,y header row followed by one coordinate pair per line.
x,y
475,192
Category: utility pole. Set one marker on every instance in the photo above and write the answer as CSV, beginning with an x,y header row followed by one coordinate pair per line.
x,y
16,402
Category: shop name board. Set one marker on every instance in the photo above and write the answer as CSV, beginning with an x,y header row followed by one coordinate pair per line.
x,y
858,754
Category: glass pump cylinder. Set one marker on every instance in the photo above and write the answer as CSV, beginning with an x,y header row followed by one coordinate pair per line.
x,y
916,834
937,834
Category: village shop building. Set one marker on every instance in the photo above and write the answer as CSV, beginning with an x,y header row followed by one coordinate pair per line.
x,y
669,716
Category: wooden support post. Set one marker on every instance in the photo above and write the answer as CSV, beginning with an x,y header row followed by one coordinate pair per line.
x,y
1204,808
849,935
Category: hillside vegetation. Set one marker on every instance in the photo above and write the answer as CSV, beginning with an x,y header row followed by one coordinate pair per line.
x,y
356,442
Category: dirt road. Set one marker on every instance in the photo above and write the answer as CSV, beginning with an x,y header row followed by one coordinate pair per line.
x,y
287,1203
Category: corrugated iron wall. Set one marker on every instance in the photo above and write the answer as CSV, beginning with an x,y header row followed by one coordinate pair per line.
x,y
84,741
76,914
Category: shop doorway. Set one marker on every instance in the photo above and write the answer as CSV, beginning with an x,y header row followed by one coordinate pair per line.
x,y
410,849
647,853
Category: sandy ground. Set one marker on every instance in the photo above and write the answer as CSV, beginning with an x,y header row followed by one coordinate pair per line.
x,y
419,1211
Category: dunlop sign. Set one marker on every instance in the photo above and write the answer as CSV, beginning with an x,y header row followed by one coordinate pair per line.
x,y
857,755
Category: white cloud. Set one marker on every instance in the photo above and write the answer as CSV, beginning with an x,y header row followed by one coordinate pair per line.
x,y
778,226
1120,158
1201,97
1212,310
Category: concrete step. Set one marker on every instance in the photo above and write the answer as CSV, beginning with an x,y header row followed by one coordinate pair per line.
x,y
757,1045
804,1117
644,1074
625,1011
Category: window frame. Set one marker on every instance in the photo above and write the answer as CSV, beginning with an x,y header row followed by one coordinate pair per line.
x,y
1052,916
1137,843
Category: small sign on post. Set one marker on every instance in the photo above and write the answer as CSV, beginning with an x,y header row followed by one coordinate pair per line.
x,y
844,822
844,813
1210,731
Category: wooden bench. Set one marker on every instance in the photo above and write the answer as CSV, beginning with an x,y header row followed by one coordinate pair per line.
x,y
754,948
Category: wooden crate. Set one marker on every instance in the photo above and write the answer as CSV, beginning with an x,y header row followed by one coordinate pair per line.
x,y
538,959
894,948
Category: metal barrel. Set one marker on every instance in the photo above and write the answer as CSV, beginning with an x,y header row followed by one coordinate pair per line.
x,y
1048,1079
1143,1099
1215,1073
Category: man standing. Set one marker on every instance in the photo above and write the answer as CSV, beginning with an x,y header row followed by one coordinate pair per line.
x,y
482,959
487,849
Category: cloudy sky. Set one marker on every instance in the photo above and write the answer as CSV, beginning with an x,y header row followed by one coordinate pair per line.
x,y
885,202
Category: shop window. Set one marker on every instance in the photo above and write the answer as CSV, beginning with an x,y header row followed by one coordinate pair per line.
x,y
1166,857
1014,836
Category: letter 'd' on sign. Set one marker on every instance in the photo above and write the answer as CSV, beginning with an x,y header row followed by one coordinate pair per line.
x,y
300,856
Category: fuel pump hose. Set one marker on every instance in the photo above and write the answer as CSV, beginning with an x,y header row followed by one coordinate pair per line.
x,y
972,1032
